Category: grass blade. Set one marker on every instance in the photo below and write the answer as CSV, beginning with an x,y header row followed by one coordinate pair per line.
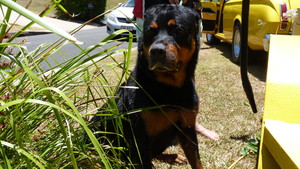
x,y
19,150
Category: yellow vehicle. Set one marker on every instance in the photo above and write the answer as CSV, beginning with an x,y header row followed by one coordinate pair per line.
x,y
222,21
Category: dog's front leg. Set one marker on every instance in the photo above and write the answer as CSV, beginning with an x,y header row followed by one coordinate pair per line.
x,y
188,140
144,155
141,148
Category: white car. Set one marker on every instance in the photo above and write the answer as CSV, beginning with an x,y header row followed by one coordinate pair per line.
x,y
121,18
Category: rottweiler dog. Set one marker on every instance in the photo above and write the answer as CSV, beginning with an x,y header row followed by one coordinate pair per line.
x,y
161,105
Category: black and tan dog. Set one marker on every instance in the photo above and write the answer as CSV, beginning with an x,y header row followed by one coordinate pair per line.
x,y
164,75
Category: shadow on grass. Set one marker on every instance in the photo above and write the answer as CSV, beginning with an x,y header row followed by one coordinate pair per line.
x,y
258,60
243,138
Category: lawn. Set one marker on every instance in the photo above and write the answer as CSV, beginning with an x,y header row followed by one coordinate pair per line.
x,y
112,3
223,107
37,6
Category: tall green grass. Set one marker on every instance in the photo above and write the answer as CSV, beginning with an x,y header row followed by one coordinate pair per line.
x,y
44,113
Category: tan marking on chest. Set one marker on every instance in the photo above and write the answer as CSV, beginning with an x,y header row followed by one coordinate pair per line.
x,y
157,121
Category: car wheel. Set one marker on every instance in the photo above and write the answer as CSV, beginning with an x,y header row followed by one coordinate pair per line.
x,y
236,44
211,39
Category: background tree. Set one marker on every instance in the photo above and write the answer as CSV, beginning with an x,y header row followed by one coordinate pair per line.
x,y
82,9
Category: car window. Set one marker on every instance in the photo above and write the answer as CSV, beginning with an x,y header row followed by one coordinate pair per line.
x,y
129,3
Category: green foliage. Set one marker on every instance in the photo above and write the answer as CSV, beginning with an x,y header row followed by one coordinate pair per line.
x,y
82,9
44,112
251,146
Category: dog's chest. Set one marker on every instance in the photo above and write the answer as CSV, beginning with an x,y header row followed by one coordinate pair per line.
x,y
158,121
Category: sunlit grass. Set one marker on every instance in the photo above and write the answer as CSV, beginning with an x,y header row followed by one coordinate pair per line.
x,y
37,6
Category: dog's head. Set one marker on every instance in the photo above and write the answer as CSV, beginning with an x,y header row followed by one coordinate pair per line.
x,y
170,41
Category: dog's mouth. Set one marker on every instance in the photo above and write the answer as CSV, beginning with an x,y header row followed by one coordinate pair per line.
x,y
164,68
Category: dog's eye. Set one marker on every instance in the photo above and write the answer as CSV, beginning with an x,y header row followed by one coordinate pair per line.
x,y
153,29
179,30
149,30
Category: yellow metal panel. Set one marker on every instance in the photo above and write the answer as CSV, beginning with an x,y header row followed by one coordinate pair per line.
x,y
283,142
284,59
214,7
282,99
266,161
280,142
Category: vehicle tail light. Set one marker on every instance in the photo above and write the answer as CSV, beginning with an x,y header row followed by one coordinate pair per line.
x,y
283,10
283,19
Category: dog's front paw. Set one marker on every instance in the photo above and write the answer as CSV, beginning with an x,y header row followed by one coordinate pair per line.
x,y
172,158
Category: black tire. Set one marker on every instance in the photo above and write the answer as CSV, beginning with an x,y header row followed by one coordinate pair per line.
x,y
211,39
236,44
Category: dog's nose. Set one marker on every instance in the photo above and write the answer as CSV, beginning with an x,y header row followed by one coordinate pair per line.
x,y
162,58
157,60
157,51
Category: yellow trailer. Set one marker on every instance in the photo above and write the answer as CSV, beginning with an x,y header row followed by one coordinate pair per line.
x,y
280,139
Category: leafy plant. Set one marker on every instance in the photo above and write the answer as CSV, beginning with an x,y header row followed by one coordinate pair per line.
x,y
250,147
44,112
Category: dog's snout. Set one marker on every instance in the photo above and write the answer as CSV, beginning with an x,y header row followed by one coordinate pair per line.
x,y
157,59
163,58
158,50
